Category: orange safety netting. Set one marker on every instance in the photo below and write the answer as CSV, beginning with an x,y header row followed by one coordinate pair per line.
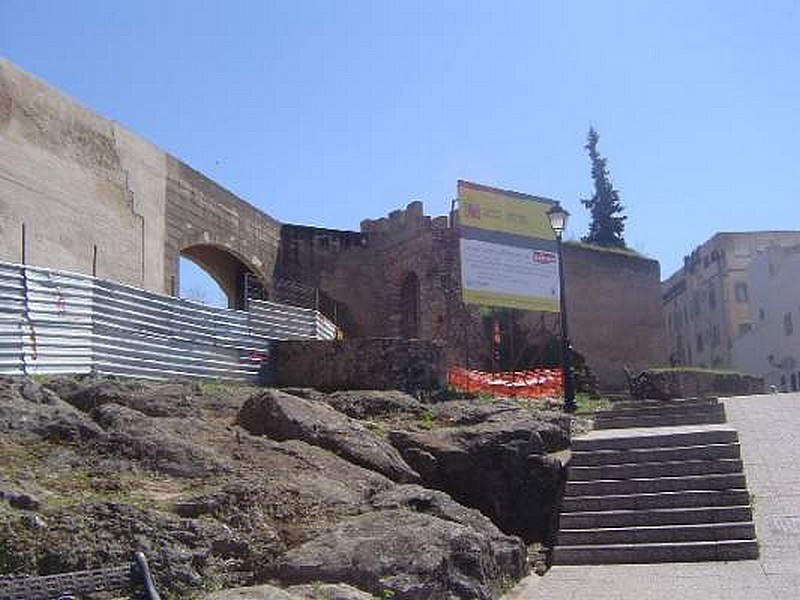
x,y
543,382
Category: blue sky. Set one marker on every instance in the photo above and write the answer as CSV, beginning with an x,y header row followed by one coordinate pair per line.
x,y
325,113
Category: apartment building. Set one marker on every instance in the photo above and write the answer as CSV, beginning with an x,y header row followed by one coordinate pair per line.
x,y
707,303
772,347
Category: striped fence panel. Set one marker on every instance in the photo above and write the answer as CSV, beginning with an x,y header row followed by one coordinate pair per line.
x,y
53,322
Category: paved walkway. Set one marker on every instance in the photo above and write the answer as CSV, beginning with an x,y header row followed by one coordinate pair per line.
x,y
769,433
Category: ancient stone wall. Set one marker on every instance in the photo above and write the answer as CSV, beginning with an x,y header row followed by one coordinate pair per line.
x,y
65,185
221,232
81,193
614,301
614,309
359,363
699,383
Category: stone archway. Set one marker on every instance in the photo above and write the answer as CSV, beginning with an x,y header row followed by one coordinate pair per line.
x,y
237,280
409,306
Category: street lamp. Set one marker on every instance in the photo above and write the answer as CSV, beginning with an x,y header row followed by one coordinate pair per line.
x,y
558,221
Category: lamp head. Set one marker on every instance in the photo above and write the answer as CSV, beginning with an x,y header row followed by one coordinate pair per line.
x,y
558,218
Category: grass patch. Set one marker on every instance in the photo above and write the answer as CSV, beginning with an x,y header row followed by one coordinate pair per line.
x,y
427,421
212,387
694,370
586,405
40,468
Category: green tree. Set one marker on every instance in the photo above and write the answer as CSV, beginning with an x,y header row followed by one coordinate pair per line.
x,y
608,223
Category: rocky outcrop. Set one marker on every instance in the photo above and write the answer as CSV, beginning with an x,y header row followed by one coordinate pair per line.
x,y
152,399
30,412
367,404
134,435
315,591
414,555
281,416
504,462
230,487
258,592
97,534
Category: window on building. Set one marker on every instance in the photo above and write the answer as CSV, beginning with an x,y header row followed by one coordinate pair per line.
x,y
761,314
695,304
794,382
744,328
788,326
712,299
699,343
741,292
714,336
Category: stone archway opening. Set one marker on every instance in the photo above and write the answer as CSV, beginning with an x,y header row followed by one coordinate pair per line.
x,y
196,284
409,306
231,276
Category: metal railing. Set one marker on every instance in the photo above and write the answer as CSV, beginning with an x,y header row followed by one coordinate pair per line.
x,y
54,322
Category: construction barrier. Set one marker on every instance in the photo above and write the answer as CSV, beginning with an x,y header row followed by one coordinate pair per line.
x,y
545,382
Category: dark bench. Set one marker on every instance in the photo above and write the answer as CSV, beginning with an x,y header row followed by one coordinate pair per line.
x,y
70,586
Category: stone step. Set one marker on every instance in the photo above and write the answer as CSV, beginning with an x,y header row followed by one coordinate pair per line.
x,y
645,412
668,420
655,517
689,402
638,455
657,534
614,487
678,499
655,553
682,407
689,437
677,468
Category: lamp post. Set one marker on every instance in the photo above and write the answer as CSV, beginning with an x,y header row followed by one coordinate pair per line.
x,y
558,221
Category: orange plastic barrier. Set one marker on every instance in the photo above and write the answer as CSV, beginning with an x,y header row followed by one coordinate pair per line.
x,y
545,382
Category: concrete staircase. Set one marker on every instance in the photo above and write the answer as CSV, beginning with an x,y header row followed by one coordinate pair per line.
x,y
657,481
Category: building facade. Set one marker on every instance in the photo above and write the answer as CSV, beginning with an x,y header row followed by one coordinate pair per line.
x,y
707,303
771,348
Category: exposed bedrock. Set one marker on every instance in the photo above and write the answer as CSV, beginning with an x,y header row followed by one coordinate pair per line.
x,y
506,463
281,416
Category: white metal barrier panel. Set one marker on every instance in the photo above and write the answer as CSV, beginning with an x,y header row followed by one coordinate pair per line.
x,y
54,322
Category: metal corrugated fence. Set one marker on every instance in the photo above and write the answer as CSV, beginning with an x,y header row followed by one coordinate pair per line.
x,y
53,322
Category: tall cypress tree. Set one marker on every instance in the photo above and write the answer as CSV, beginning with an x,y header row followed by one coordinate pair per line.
x,y
608,223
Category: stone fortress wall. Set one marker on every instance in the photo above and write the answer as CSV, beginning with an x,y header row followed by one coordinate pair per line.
x,y
79,192
399,276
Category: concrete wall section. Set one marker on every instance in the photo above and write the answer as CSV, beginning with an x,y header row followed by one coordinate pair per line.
x,y
96,199
145,170
614,309
200,213
61,175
